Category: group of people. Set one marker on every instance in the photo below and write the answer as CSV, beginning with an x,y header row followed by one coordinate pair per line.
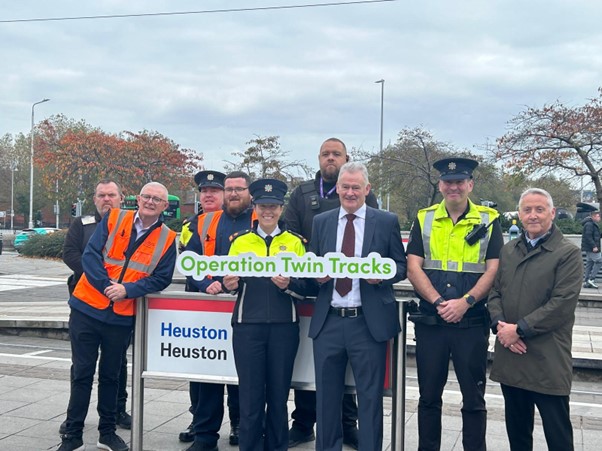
x,y
468,282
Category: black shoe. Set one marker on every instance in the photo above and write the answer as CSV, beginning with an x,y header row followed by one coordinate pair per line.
x,y
296,437
71,443
350,438
199,446
112,442
63,428
124,420
187,436
233,439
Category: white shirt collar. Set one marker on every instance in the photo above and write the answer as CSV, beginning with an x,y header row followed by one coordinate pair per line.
x,y
360,213
262,234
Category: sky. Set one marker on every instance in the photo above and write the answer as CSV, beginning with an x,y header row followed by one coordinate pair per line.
x,y
211,82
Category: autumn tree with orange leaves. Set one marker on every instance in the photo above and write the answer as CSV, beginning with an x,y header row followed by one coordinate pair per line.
x,y
556,140
78,155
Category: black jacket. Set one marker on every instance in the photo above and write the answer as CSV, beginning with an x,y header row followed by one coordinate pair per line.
x,y
305,203
591,235
80,231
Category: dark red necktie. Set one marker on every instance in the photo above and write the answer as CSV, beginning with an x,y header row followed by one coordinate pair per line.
x,y
343,286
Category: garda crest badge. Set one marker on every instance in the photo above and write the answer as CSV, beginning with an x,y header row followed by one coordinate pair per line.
x,y
210,177
268,188
451,166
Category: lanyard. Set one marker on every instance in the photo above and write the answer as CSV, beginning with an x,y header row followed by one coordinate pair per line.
x,y
322,189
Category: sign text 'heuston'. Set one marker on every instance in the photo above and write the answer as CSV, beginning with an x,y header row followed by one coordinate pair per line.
x,y
334,264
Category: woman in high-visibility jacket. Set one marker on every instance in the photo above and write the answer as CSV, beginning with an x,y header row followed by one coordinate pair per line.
x,y
265,324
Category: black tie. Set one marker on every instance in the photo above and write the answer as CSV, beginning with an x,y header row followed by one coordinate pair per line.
x,y
268,242
343,286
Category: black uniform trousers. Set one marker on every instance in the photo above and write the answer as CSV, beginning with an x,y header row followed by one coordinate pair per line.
x,y
265,356
519,407
467,347
88,335
208,413
122,394
340,341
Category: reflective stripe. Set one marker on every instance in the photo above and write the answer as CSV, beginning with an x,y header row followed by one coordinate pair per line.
x,y
113,234
241,303
453,266
427,230
432,264
206,224
482,249
474,267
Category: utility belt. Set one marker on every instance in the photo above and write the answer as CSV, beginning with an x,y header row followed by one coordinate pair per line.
x,y
432,320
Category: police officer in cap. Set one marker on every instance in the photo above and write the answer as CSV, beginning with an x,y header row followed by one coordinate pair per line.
x,y
453,255
265,324
211,186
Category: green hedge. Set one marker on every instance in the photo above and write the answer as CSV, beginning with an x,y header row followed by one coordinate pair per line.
x,y
50,245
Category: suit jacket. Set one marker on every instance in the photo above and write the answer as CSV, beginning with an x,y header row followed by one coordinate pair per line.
x,y
381,235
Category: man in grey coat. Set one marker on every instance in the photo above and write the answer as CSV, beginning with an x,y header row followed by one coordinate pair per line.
x,y
532,307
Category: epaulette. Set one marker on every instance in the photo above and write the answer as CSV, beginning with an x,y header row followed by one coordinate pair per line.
x,y
88,219
241,233
301,237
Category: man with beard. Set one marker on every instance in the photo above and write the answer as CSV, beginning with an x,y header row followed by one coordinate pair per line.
x,y
212,237
307,200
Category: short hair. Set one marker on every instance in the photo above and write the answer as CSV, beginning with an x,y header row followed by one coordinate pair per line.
x,y
156,185
106,182
353,167
541,192
336,140
238,175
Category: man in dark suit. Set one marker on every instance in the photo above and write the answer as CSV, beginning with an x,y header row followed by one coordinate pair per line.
x,y
354,319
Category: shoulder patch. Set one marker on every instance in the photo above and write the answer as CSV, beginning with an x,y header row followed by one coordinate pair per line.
x,y
241,233
88,219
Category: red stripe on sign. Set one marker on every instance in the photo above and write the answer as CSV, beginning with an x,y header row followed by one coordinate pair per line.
x,y
196,305
305,309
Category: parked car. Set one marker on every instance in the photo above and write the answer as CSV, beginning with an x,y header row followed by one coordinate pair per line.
x,y
25,234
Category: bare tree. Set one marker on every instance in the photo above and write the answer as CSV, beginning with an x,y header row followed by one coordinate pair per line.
x,y
556,139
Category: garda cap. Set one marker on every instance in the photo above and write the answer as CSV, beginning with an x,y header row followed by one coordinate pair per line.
x,y
455,168
268,191
212,179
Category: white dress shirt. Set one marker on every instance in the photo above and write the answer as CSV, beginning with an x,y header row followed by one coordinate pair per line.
x,y
353,298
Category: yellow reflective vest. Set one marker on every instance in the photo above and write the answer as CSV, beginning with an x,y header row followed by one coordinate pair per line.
x,y
443,241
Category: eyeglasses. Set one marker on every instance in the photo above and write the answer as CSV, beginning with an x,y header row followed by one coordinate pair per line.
x,y
237,189
155,200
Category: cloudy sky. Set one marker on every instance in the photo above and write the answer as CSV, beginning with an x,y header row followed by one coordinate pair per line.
x,y
460,68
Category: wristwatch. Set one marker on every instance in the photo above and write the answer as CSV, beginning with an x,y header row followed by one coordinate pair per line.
x,y
438,301
470,299
519,331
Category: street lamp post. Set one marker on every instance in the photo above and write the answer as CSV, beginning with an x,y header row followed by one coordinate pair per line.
x,y
13,168
382,103
31,165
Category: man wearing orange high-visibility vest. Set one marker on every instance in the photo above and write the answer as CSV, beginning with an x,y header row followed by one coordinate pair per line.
x,y
131,254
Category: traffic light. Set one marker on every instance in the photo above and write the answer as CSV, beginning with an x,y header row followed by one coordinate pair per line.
x,y
198,208
74,210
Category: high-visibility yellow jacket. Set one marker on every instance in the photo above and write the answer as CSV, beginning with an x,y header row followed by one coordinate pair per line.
x,y
445,247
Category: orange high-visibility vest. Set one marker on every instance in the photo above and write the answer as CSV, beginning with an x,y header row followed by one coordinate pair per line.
x,y
207,230
141,264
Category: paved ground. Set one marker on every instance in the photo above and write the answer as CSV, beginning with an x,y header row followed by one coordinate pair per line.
x,y
34,375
